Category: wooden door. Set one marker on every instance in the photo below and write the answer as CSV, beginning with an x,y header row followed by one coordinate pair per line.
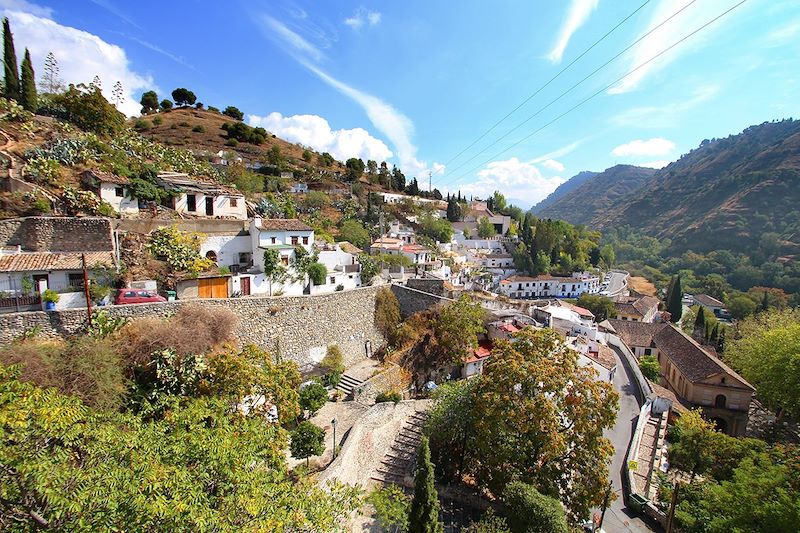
x,y
209,206
212,288
244,284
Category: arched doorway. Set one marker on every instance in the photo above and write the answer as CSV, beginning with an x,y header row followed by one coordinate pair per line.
x,y
720,401
721,424
211,254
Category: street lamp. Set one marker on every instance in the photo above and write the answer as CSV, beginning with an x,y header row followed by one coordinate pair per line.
x,y
333,423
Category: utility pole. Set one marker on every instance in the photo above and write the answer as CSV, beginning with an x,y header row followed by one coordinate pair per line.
x,y
672,505
605,505
430,175
86,290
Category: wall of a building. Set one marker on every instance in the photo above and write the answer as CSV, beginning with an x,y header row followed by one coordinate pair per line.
x,y
300,328
124,205
413,300
57,234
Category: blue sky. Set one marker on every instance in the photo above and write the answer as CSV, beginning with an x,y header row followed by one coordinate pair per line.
x,y
416,82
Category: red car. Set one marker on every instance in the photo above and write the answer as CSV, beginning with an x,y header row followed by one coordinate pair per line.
x,y
137,296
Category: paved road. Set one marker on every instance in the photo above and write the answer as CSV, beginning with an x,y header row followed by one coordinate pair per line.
x,y
617,282
618,518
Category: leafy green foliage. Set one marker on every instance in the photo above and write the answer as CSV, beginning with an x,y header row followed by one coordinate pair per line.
x,y
601,307
316,273
485,228
43,170
423,516
554,245
183,96
675,299
28,97
233,112
244,133
149,102
650,367
87,108
438,229
307,440
181,251
391,507
354,232
457,327
387,311
529,511
11,85
274,270
388,396
489,523
312,397
355,168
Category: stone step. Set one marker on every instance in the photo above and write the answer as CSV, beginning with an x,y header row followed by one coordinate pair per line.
x,y
348,384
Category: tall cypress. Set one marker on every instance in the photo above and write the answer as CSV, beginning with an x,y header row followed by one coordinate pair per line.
x,y
28,97
700,323
10,63
675,300
424,514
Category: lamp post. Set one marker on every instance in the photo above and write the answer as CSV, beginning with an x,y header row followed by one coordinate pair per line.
x,y
333,423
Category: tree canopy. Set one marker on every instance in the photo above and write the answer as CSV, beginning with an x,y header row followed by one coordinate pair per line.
x,y
183,96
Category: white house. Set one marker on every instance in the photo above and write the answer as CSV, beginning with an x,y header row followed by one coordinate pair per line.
x,y
201,198
402,232
283,235
344,270
299,188
547,286
112,189
417,253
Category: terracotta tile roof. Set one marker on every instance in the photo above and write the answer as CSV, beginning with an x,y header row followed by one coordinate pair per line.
x,y
483,351
664,392
708,301
604,357
510,328
104,177
284,224
636,333
581,311
46,261
636,305
350,248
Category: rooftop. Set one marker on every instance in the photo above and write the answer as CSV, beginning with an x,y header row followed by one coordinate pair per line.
x,y
282,224
707,301
182,182
98,177
48,261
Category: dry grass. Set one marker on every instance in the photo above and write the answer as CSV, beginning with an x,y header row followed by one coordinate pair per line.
x,y
642,286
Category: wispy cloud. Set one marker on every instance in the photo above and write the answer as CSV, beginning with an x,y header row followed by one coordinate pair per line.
x,y
639,147
397,127
668,34
363,16
560,152
578,14
116,11
158,50
667,115
27,7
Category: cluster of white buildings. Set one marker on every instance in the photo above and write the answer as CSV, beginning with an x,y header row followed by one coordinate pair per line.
x,y
547,286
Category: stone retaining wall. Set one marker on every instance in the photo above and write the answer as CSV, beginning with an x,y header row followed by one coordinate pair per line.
x,y
57,234
299,327
415,300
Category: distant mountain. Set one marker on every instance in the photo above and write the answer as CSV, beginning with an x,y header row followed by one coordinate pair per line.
x,y
592,198
724,194
569,185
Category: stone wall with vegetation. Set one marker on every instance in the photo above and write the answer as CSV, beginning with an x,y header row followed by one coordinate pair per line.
x,y
299,327
392,378
57,234
414,300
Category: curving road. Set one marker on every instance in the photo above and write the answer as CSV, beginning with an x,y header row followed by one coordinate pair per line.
x,y
617,282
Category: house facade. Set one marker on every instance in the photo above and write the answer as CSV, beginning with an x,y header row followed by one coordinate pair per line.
x,y
637,308
344,270
112,189
546,286
696,376
202,199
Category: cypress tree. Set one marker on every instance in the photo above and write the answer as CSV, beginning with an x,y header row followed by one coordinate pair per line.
x,y
10,63
700,322
28,97
424,514
675,300
765,302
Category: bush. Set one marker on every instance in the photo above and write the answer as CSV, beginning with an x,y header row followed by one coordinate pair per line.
x,y
181,251
213,109
158,121
388,396
142,125
199,129
529,511
232,142
650,367
43,170
89,110
233,112
50,296
333,360
312,397
387,311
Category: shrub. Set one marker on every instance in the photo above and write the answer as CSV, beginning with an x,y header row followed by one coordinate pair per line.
x,y
387,311
333,360
312,397
307,440
650,367
43,169
213,109
529,511
181,251
157,121
232,142
50,296
142,125
388,396
183,124
233,112
339,287
89,110
199,128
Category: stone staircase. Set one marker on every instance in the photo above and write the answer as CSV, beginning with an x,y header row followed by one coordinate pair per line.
x,y
397,466
348,384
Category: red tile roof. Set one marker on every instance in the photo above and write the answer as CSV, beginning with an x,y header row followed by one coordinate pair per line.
x,y
511,328
46,261
483,351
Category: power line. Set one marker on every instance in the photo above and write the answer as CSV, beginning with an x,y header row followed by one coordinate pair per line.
x,y
563,94
598,41
579,104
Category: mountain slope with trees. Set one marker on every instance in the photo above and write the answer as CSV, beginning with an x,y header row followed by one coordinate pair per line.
x,y
593,197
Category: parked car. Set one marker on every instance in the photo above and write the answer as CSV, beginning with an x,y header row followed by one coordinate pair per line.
x,y
137,296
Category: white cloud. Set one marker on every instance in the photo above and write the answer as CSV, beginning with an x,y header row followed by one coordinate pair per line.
x,y
578,14
654,164
520,180
26,7
665,36
314,131
285,35
362,16
552,164
667,115
81,56
559,152
650,147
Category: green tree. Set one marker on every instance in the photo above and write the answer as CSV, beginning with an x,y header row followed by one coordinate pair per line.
x,y
28,98
355,233
88,109
233,112
601,307
307,440
149,102
387,312
317,200
355,168
183,96
530,511
539,418
607,255
457,326
369,268
496,202
312,397
165,105
274,270
650,367
307,156
274,156
700,322
316,273
449,426
438,229
11,80
423,517
765,351
391,507
485,228
741,307
675,299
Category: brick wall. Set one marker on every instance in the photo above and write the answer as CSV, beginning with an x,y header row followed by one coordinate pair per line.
x,y
57,234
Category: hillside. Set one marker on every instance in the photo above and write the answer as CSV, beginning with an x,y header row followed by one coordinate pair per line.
x,y
591,199
725,194
570,185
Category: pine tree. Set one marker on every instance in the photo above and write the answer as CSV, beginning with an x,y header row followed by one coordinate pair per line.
x,y
424,514
10,63
675,300
28,98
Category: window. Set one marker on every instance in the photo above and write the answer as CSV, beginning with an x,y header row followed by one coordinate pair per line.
x,y
333,279
119,192
720,401
211,254
234,202
272,240
305,240
648,351
191,202
285,260
722,380
76,281
245,258
295,240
